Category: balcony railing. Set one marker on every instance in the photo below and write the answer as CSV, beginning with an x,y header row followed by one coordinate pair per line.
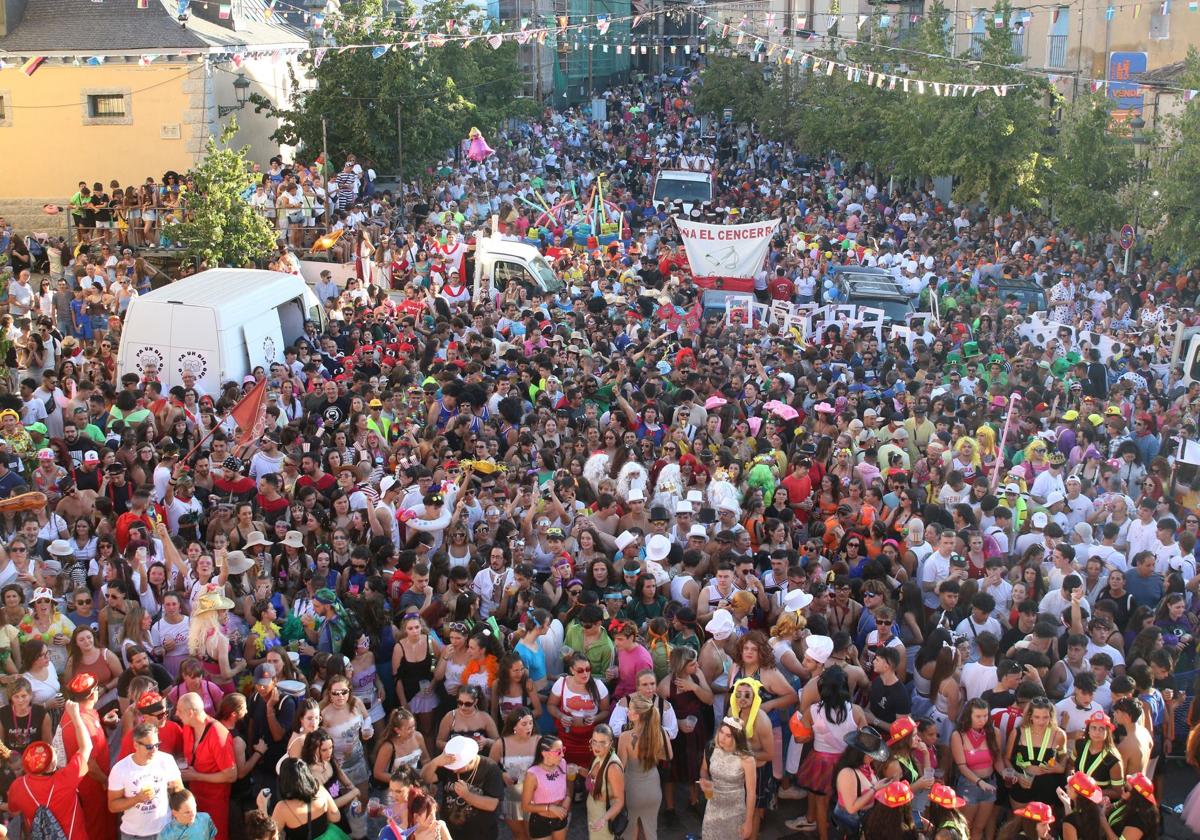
x,y
1056,54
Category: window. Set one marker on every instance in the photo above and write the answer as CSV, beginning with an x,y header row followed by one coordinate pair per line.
x,y
6,113
102,105
1016,25
1060,30
978,31
107,106
3,109
1160,26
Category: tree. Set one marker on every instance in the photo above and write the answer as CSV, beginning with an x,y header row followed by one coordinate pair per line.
x,y
224,228
734,82
1178,235
439,91
1090,169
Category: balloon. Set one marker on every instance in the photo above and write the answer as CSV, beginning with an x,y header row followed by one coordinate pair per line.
x,y
828,284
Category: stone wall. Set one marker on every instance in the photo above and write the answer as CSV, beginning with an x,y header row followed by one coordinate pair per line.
x,y
26,216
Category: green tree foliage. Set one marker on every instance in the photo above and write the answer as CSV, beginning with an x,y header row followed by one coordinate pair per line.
x,y
1176,232
734,82
441,90
224,228
991,145
1090,168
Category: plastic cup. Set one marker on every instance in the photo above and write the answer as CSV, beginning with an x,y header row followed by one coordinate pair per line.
x,y
691,720
374,808
572,773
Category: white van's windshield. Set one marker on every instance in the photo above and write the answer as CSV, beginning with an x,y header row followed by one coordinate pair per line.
x,y
545,274
690,192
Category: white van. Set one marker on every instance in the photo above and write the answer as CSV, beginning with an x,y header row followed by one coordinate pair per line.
x,y
499,262
692,188
219,324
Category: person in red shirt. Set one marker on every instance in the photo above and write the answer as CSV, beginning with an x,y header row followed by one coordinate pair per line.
x,y
142,513
56,789
211,770
780,286
799,485
152,708
93,787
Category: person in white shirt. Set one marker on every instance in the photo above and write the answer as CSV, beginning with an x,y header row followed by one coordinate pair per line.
x,y
138,785
937,567
979,676
1079,508
1143,531
995,585
1059,599
490,582
979,621
1099,630
1167,554
1072,712
1049,481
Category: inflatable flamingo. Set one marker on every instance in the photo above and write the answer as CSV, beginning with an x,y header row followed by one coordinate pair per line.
x,y
480,150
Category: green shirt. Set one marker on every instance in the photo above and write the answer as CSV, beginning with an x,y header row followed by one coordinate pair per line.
x,y
600,653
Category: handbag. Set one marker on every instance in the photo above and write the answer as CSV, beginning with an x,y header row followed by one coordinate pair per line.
x,y
618,825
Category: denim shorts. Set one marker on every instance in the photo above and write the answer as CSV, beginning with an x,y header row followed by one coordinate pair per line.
x,y
971,792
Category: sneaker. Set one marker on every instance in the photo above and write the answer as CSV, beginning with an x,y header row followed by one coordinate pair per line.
x,y
792,793
801,824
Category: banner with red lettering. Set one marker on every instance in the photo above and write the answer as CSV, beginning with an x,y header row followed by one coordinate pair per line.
x,y
726,250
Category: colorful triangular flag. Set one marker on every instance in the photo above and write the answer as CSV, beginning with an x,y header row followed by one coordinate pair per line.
x,y
33,65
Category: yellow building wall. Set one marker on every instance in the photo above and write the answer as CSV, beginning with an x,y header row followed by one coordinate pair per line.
x,y
46,151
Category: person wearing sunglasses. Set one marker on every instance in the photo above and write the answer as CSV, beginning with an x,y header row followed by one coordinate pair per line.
x,y
577,702
138,785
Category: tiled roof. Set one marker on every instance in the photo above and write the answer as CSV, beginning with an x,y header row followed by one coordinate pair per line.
x,y
86,27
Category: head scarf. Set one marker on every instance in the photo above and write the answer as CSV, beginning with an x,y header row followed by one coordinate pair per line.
x,y
754,704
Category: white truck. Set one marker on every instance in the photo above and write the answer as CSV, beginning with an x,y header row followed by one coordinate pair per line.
x,y
499,262
219,325
690,187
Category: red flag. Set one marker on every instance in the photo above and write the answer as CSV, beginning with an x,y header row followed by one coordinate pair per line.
x,y
695,316
250,414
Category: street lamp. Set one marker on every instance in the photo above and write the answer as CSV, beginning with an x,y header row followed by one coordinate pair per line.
x,y
241,89
1137,126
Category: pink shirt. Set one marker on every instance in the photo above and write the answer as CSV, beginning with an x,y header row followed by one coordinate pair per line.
x,y
551,785
629,664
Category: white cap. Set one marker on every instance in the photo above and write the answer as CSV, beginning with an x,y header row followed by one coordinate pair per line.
x,y
698,530
797,600
818,648
636,495
721,626
683,507
1054,498
658,547
1039,519
388,482
695,497
1012,487
1074,479
463,751
624,539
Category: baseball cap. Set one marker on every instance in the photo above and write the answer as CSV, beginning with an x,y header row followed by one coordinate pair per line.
x,y
461,750
91,457
264,674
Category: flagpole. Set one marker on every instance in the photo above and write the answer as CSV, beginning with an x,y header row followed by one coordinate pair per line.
x,y
1012,405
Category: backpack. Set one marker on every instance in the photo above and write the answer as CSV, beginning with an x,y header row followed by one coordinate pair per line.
x,y
44,825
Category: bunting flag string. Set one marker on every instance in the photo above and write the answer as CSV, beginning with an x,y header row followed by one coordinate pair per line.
x,y
588,30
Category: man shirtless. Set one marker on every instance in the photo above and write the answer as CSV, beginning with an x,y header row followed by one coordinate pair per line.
x,y
1136,744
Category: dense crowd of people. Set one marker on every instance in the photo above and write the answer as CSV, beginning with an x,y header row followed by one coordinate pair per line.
x,y
585,555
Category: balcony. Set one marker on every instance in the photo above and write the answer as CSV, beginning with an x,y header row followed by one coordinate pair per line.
x,y
1056,52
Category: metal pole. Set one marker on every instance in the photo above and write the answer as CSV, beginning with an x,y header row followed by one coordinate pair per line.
x,y
1137,216
591,44
325,174
400,139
